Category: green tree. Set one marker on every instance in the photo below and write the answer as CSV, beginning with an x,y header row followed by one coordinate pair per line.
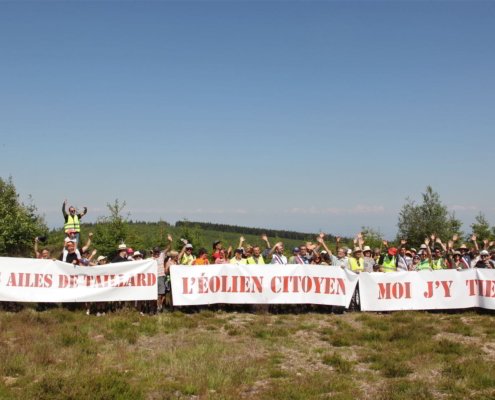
x,y
112,230
418,221
19,223
481,228
372,237
191,233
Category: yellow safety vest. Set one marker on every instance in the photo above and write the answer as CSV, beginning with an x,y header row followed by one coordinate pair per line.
x,y
72,223
423,265
389,264
251,260
355,265
438,264
187,259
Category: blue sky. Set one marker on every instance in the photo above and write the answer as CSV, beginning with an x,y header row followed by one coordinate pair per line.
x,y
292,115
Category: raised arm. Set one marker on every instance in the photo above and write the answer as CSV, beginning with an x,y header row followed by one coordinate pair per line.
x,y
428,251
439,241
322,242
473,239
36,252
168,247
265,239
64,211
88,243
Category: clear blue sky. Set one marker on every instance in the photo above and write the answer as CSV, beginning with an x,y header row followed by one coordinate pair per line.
x,y
293,115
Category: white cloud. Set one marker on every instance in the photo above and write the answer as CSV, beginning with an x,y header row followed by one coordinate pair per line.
x,y
359,209
458,207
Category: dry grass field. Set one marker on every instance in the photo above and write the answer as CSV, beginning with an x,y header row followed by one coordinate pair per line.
x,y
210,354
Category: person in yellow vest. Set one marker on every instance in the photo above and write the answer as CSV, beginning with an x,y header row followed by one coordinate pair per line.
x,y
72,220
356,261
256,257
186,256
237,259
388,261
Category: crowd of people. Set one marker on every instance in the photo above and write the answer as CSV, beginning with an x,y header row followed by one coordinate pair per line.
x,y
433,254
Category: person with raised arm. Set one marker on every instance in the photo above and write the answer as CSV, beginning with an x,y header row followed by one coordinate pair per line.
x,y
238,259
388,259
72,219
256,257
44,254
341,259
277,253
402,261
186,256
426,261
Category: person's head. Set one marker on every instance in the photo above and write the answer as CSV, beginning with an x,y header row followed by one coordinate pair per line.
x,y
173,255
71,246
484,255
392,252
85,253
416,259
316,258
101,260
137,255
325,257
366,251
280,248
122,249
303,250
296,251
248,251
463,249
457,256
423,254
217,245
156,252
437,253
341,252
130,252
189,249
256,251
45,254
72,210
238,253
357,253
202,253
376,252
402,251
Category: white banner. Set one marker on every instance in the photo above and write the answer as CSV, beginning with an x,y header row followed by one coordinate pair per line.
x,y
31,280
427,290
261,284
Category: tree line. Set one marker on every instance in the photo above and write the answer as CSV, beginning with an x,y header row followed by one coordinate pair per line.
x,y
20,223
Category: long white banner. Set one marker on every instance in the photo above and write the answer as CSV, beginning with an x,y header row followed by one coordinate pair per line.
x,y
427,290
261,284
30,280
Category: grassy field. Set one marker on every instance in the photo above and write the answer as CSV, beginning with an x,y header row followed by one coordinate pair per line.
x,y
60,354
